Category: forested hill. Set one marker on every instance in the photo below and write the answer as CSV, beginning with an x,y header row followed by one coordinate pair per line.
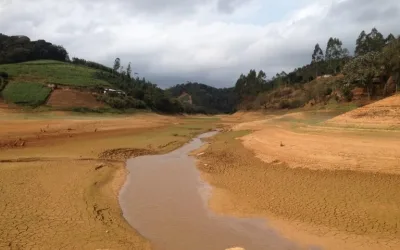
x,y
205,99
331,75
27,65
14,49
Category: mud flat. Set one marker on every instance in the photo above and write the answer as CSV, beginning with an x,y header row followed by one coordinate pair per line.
x,y
165,199
353,206
59,183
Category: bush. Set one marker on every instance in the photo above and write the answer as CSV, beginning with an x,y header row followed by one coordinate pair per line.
x,y
328,91
296,103
122,102
348,95
96,110
32,94
284,104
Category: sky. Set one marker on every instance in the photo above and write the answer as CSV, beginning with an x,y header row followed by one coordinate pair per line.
x,y
209,41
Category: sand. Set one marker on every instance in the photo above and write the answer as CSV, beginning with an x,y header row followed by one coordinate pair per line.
x,y
381,114
332,187
60,187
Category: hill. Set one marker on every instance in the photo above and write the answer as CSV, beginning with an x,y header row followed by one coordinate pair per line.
x,y
15,49
384,114
204,98
53,72
35,73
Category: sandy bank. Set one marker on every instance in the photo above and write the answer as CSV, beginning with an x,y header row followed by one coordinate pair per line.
x,y
333,209
60,190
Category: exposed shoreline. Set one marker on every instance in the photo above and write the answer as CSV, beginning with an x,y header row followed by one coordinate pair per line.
x,y
60,189
244,186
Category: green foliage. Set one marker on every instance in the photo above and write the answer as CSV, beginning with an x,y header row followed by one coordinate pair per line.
x,y
3,80
117,64
206,99
372,42
140,90
123,102
247,87
14,49
363,69
129,70
391,59
32,94
90,64
347,93
54,72
389,39
391,56
317,55
335,54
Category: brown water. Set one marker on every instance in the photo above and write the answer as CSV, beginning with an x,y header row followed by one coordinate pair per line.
x,y
165,199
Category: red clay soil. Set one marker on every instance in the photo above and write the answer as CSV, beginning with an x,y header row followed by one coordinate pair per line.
x,y
64,98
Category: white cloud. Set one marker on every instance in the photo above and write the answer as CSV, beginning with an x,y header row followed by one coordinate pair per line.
x,y
207,40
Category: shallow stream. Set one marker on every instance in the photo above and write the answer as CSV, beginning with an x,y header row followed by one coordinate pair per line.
x,y
165,200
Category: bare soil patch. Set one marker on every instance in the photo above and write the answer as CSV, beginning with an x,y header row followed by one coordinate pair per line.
x,y
57,192
65,98
383,114
334,209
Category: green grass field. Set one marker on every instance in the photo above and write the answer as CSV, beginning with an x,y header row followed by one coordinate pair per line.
x,y
46,71
33,94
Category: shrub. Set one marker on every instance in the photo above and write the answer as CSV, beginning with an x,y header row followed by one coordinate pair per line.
x,y
32,94
328,91
122,102
296,103
348,95
284,104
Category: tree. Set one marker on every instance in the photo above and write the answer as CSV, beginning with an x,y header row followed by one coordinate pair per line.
x,y
375,40
389,39
335,53
317,57
129,70
363,69
117,64
361,44
391,60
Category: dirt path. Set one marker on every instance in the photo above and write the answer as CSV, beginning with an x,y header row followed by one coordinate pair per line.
x,y
333,187
59,191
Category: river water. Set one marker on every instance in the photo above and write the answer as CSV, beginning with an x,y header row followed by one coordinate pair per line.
x,y
165,200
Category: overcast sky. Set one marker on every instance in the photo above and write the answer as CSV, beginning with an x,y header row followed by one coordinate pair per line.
x,y
209,41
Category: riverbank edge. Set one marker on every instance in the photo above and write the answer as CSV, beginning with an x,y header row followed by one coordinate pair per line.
x,y
306,235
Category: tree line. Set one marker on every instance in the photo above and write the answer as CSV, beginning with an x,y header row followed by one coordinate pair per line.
x,y
205,99
374,56
14,49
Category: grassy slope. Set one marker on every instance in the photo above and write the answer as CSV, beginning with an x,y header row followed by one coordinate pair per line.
x,y
46,71
26,93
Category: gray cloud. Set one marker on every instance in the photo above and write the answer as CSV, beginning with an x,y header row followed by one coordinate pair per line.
x,y
176,7
173,41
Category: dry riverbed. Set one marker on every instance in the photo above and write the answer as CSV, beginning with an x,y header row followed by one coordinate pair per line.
x,y
60,176
332,187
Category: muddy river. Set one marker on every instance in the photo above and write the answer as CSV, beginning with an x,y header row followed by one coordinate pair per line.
x,y
165,200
